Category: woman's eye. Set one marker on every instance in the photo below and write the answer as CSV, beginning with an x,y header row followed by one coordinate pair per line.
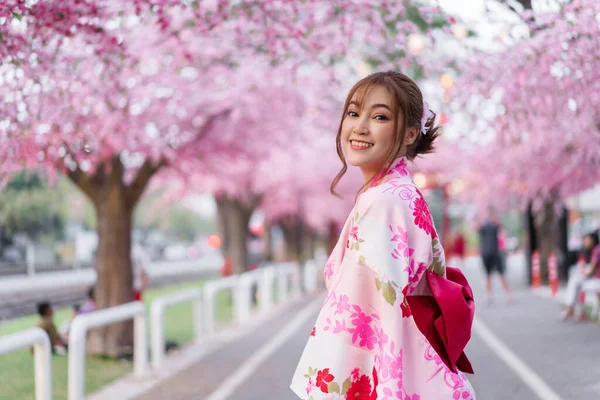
x,y
352,114
381,117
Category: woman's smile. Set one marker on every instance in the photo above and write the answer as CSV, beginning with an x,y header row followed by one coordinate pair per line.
x,y
360,145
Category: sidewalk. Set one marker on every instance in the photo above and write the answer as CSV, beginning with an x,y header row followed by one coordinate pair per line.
x,y
564,354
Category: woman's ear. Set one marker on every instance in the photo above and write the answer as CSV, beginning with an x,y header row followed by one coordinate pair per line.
x,y
411,135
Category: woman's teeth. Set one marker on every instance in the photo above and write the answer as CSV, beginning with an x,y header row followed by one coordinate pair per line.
x,y
361,144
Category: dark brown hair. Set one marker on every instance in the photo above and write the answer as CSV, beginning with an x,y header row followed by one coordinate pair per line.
x,y
407,103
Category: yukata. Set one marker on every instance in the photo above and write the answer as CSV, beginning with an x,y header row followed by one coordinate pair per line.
x,y
365,343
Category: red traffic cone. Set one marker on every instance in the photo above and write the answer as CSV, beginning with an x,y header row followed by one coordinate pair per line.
x,y
536,279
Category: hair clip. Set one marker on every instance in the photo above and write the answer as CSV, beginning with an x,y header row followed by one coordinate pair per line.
x,y
426,114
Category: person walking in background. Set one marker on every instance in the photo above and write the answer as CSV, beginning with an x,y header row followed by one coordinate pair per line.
x,y
591,276
489,248
502,239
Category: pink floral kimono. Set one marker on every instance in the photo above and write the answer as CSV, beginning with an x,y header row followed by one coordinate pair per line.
x,y
366,344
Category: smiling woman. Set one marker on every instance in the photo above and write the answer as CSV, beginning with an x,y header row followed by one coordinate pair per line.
x,y
384,118
396,320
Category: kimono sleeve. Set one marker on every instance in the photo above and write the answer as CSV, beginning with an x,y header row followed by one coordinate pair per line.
x,y
395,238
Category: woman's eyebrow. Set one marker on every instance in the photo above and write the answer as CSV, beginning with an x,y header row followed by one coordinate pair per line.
x,y
381,105
378,105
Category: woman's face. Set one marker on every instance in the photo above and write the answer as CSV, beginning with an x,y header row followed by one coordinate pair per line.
x,y
368,131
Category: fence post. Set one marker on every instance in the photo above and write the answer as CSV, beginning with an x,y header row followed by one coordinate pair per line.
x,y
42,353
77,339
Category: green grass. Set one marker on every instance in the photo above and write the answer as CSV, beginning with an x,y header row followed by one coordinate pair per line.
x,y
16,368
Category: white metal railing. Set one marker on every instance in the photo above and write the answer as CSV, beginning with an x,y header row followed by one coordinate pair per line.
x,y
287,272
310,276
42,353
243,296
157,320
211,288
77,340
266,286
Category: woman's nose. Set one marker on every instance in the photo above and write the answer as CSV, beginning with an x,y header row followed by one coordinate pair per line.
x,y
361,128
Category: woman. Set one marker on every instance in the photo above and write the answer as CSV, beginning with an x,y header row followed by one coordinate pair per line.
x,y
375,337
591,252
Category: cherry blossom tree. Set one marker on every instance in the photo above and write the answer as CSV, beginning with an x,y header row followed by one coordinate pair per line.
x,y
535,108
112,93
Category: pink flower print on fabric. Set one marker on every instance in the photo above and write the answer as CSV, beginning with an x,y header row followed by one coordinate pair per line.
x,y
354,232
329,269
382,338
366,334
342,305
387,394
402,250
414,274
310,386
390,366
340,326
423,217
400,167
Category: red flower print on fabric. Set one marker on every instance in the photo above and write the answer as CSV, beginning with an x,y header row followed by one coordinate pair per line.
x,y
423,217
406,312
360,389
323,379
314,331
375,383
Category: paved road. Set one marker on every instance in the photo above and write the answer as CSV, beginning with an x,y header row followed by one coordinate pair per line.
x,y
564,355
19,294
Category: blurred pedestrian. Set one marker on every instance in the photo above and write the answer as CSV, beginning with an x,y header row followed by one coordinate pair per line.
x,y
46,322
90,303
491,256
591,277
458,250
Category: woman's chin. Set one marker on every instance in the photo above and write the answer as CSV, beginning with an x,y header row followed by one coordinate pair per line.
x,y
356,160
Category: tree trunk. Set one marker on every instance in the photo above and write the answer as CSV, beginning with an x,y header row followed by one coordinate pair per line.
x,y
114,284
114,203
233,219
289,226
309,239
332,236
223,206
238,218
531,238
546,225
268,252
